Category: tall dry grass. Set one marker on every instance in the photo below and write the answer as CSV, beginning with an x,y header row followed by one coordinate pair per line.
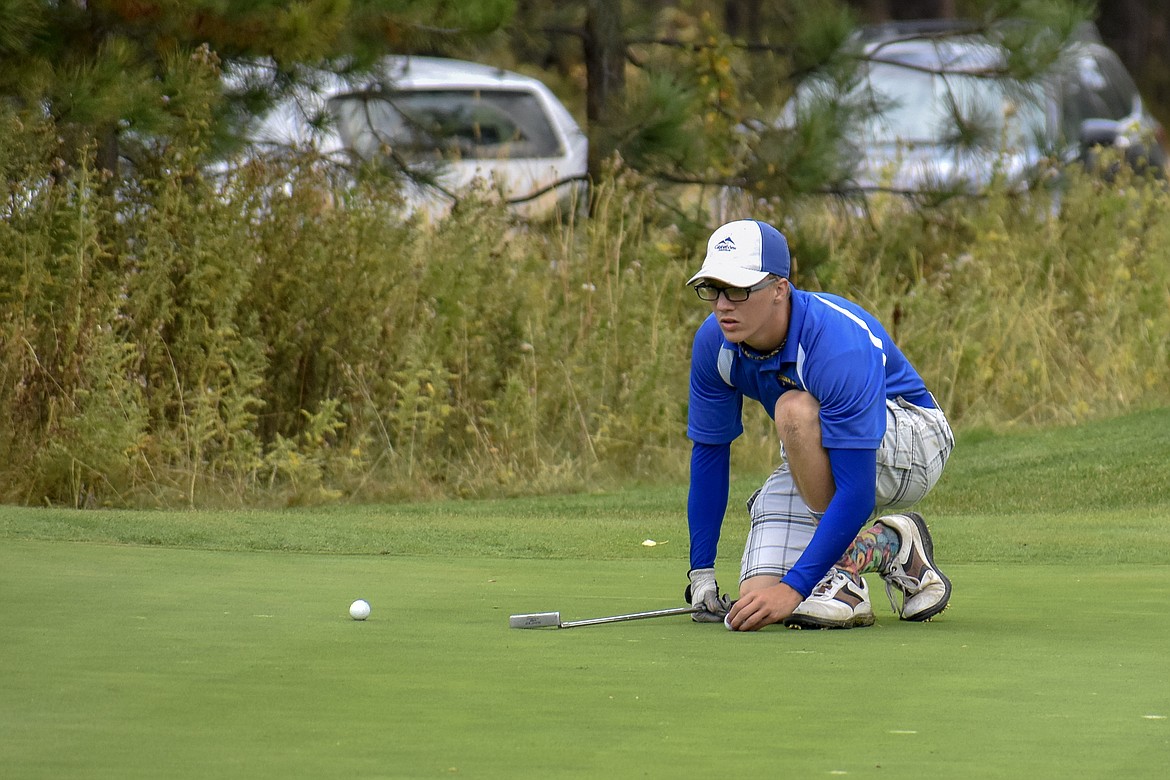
x,y
278,336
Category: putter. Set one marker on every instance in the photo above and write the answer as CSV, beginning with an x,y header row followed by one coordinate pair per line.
x,y
553,619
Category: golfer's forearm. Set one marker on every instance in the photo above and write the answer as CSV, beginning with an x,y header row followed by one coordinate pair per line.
x,y
707,500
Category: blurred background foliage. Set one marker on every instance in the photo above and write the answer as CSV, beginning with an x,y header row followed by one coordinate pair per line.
x,y
668,85
278,334
193,342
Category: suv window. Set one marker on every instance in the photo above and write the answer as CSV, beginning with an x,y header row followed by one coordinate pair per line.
x,y
1101,89
918,107
450,124
1121,91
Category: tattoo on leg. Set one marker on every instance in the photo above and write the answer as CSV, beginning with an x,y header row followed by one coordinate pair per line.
x,y
871,551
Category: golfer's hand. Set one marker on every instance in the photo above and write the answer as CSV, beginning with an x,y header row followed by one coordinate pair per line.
x,y
704,592
763,607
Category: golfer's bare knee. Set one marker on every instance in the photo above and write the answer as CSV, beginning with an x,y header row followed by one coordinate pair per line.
x,y
759,582
798,417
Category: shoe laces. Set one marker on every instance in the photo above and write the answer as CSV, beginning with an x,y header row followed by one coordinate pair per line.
x,y
828,583
898,579
843,587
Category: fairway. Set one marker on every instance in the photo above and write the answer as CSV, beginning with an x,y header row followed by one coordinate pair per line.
x,y
137,662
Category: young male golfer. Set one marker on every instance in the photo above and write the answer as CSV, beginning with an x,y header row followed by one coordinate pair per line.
x,y
859,433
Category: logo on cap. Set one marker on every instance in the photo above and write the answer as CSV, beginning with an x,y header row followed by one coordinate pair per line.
x,y
726,245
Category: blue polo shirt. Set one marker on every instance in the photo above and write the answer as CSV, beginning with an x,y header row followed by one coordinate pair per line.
x,y
843,357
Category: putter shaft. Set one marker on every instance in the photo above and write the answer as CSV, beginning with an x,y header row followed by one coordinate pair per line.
x,y
553,619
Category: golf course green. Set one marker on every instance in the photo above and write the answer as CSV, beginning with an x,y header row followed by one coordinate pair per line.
x,y
218,644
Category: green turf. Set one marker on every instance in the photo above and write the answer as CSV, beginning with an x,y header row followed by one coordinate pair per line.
x,y
190,644
126,662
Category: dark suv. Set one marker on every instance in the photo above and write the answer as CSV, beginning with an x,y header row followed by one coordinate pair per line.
x,y
923,86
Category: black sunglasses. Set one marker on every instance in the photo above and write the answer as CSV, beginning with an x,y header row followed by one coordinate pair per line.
x,y
709,292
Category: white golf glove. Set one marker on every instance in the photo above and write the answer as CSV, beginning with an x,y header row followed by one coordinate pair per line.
x,y
704,592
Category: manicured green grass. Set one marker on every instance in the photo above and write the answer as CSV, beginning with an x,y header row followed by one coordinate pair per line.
x,y
125,662
193,644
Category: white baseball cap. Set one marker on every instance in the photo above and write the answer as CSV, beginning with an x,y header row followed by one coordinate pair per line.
x,y
742,253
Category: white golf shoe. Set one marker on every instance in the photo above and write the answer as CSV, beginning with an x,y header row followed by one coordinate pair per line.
x,y
925,590
838,601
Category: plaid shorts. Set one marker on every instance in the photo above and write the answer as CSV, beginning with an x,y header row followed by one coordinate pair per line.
x,y
910,461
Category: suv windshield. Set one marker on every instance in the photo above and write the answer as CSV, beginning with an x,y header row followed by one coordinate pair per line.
x,y
919,107
448,124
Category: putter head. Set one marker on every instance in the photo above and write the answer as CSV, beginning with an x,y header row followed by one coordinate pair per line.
x,y
536,620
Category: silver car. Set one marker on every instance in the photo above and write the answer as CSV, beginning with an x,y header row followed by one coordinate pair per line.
x,y
918,86
447,124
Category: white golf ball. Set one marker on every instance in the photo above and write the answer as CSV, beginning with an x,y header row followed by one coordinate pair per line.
x,y
359,610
